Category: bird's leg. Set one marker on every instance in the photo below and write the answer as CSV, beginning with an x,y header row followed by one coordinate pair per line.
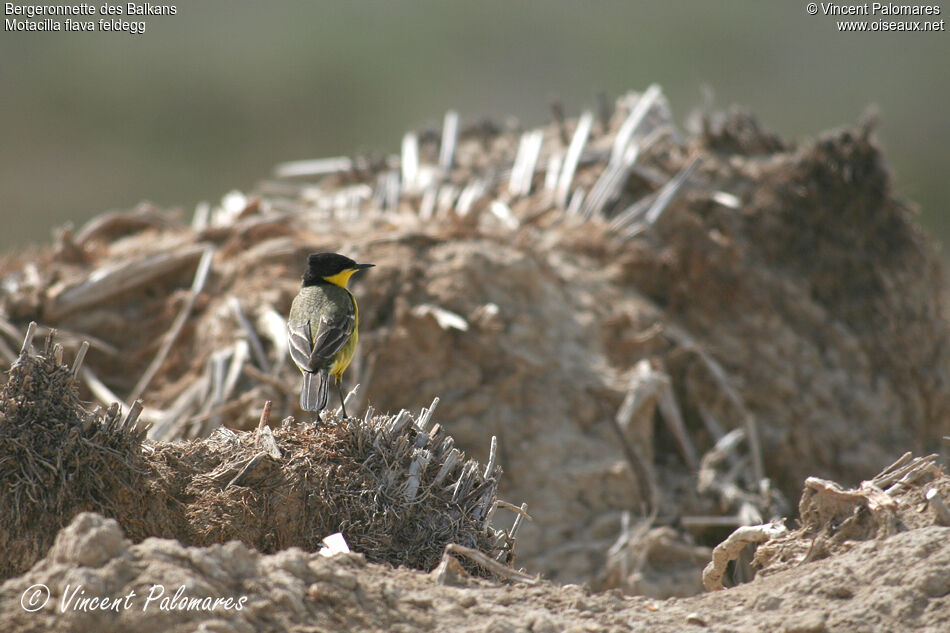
x,y
339,384
319,420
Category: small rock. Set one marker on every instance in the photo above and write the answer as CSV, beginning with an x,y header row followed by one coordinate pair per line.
x,y
543,623
450,572
90,540
809,622
767,603
695,618
935,584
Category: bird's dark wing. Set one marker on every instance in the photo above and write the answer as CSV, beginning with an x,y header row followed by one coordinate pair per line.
x,y
298,335
330,337
331,334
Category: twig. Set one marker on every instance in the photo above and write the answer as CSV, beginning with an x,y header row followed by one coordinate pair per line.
x,y
346,400
632,213
902,469
387,189
410,161
445,201
168,424
105,283
315,167
451,460
265,415
98,388
254,461
900,463
730,549
566,177
215,369
552,171
642,472
669,191
445,318
632,123
201,275
662,199
450,128
719,375
67,336
724,449
28,339
493,566
80,357
427,414
526,160
609,183
521,511
133,415
674,420
274,328
472,193
399,422
102,226
427,204
503,212
50,346
416,468
7,352
513,532
199,221
576,202
256,347
492,458
238,360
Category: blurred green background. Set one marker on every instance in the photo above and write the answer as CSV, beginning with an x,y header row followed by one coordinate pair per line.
x,y
212,98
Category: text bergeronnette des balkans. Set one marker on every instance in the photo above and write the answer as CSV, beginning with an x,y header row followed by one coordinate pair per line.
x,y
130,8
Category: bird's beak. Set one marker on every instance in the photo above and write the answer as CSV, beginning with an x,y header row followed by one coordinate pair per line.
x,y
362,266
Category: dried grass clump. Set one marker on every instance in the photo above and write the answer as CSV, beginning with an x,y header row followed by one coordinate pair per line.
x,y
395,486
398,493
56,458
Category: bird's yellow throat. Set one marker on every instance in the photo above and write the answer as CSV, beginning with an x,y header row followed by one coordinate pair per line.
x,y
341,278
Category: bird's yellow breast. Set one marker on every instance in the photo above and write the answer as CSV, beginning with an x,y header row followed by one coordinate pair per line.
x,y
342,359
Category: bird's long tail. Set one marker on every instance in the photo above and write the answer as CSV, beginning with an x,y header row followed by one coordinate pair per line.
x,y
313,392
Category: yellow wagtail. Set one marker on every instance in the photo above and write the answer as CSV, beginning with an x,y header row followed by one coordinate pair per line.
x,y
322,327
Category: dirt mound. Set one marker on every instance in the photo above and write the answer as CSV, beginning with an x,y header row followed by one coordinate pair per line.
x,y
898,583
395,487
667,334
908,495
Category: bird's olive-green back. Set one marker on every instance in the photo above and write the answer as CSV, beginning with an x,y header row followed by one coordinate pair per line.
x,y
328,302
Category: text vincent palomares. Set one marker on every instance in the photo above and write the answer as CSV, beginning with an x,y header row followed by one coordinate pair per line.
x,y
877,8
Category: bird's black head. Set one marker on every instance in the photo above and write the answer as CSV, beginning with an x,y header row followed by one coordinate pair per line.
x,y
330,268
